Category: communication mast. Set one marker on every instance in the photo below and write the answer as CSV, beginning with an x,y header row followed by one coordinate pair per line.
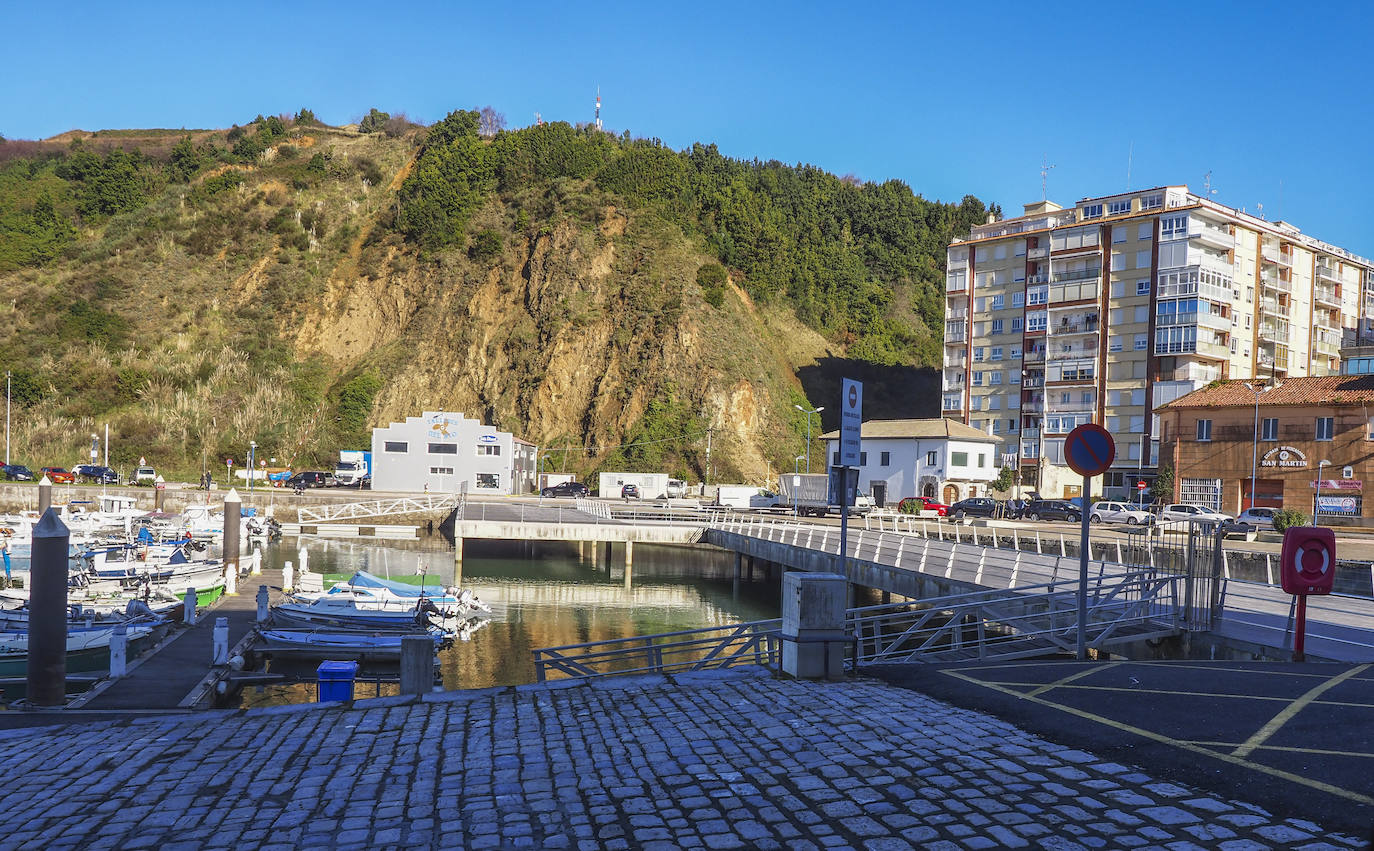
x,y
538,120
598,107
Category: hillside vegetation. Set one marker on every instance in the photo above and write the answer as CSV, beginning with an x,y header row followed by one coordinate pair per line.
x,y
608,298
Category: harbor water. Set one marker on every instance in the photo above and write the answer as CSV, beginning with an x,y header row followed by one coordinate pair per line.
x,y
541,595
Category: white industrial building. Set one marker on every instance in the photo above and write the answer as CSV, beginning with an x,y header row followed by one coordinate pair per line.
x,y
445,452
939,458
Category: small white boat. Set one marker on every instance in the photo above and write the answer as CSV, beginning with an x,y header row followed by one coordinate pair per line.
x,y
322,644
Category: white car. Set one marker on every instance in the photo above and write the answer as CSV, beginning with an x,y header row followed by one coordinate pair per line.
x,y
1119,512
1186,511
1257,519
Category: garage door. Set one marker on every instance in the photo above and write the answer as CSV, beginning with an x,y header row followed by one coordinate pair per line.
x,y
1268,494
1202,492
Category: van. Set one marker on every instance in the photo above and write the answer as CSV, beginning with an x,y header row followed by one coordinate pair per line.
x,y
311,479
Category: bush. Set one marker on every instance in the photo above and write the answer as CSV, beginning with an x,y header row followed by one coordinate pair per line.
x,y
711,278
1288,517
372,122
485,245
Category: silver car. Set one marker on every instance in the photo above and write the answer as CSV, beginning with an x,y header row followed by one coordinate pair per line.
x,y
1119,512
1180,511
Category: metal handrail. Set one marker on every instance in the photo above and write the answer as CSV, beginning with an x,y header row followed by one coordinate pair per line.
x,y
378,508
753,642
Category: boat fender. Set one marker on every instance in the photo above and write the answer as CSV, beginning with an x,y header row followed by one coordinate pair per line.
x,y
236,662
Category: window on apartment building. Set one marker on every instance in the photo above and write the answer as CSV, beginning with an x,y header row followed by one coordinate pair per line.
x,y
1326,428
1142,342
930,458
1204,430
982,460
999,251
1142,287
885,459
1118,289
1016,324
1151,201
1119,208
1369,435
995,378
977,379
1092,211
1137,424
996,352
1146,231
958,459
1036,321
1269,428
1118,262
1114,343
1019,248
1173,227
997,326
1015,353
1018,300
1011,426
996,426
978,352
997,302
486,449
1142,313
1037,295
863,459
1142,259
1138,397
1118,234
981,254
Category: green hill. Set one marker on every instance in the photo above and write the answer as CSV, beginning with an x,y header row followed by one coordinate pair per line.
x,y
605,297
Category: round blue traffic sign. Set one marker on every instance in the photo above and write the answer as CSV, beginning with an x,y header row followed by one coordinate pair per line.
x,y
1089,449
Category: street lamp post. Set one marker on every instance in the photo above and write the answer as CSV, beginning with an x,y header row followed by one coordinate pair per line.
x,y
252,462
796,462
808,412
1317,503
7,418
1254,445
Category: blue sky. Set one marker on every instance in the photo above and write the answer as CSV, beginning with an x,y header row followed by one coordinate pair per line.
x,y
1273,99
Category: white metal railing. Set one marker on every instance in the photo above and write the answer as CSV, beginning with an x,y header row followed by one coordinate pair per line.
x,y
378,508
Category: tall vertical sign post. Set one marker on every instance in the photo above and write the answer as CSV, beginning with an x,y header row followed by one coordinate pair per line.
x,y
1089,451
851,426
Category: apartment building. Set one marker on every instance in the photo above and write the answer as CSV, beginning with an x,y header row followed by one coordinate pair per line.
x,y
1104,311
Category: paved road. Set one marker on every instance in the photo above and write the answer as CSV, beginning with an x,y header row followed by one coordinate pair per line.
x,y
717,761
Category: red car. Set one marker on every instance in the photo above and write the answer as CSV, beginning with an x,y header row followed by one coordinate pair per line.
x,y
914,504
59,476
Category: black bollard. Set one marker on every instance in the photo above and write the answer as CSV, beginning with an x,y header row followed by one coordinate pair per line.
x,y
44,494
232,516
47,675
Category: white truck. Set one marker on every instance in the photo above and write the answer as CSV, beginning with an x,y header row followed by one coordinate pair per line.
x,y
354,465
745,497
813,493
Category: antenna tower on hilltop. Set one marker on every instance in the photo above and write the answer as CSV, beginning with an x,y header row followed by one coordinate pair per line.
x,y
598,107
538,120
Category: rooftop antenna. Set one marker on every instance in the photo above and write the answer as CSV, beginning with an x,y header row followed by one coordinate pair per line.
x,y
1044,176
1208,191
598,107
1259,207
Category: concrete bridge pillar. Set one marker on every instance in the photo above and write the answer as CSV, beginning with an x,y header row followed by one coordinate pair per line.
x,y
608,557
813,607
458,560
629,556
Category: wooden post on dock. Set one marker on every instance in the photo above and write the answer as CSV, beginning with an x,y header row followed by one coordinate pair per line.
x,y
47,674
417,664
45,500
232,517
458,560
119,651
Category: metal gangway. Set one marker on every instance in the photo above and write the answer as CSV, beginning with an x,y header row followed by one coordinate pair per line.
x,y
1032,620
380,507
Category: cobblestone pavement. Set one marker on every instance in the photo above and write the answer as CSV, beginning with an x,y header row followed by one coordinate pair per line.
x,y
722,760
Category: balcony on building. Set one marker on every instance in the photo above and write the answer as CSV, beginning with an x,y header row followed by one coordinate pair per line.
x,y
1215,237
1274,330
1076,404
1271,305
954,313
1081,371
1328,271
1038,278
1035,355
956,284
1272,281
955,333
1327,295
1038,253
1033,405
1273,358
956,359
1074,323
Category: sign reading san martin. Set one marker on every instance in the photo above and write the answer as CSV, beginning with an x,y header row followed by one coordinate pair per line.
x,y
1284,456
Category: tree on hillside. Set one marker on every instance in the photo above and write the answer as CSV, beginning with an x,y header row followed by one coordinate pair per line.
x,y
374,121
492,122
305,116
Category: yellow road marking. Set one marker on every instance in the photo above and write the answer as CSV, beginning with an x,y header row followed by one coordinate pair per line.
x,y
1286,714
1282,749
1162,739
1047,686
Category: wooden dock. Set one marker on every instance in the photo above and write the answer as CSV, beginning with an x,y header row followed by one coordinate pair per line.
x,y
177,673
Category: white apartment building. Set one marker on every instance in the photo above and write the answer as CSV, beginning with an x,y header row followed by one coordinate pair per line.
x,y
939,458
1104,311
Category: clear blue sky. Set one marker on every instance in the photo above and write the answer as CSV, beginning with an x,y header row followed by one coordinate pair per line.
x,y
953,98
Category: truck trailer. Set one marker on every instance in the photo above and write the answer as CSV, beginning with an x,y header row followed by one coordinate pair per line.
x,y
817,494
745,496
651,485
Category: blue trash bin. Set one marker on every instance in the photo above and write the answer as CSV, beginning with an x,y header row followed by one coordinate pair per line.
x,y
336,680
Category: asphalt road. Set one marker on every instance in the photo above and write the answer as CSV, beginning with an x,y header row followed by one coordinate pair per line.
x,y
1299,737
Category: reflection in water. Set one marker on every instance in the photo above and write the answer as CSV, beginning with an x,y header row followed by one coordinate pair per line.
x,y
542,595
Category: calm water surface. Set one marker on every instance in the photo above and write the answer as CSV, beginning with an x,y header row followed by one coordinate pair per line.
x,y
541,595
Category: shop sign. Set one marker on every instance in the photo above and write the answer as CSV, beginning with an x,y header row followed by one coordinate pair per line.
x,y
441,426
1339,484
1336,504
1284,456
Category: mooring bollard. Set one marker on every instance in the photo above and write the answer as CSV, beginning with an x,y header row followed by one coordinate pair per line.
x,y
119,651
417,664
221,642
304,560
257,563
189,609
231,580
286,578
262,603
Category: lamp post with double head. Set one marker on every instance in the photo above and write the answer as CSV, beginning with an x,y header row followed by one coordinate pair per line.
x,y
1317,503
252,462
808,412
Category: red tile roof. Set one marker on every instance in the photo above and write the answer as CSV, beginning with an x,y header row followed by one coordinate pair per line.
x,y
1325,390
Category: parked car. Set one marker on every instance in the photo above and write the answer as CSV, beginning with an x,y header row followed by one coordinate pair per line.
x,y
914,504
976,506
629,491
58,475
1119,512
311,479
1053,509
96,473
17,473
1253,520
143,476
566,489
1183,511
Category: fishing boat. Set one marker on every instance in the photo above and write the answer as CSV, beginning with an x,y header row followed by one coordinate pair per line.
x,y
88,649
374,592
343,613
324,644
